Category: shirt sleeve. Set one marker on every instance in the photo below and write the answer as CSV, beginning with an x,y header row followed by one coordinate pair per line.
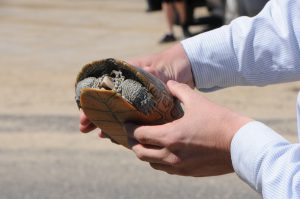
x,y
256,51
250,51
266,161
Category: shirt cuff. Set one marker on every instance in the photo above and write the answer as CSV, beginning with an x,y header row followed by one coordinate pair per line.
x,y
213,60
248,148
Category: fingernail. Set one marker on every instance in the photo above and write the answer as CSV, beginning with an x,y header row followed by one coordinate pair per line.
x,y
171,82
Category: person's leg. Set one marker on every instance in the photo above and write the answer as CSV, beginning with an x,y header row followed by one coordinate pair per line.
x,y
253,7
231,11
153,5
169,15
181,9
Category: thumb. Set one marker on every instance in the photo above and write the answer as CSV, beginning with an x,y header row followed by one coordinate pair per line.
x,y
181,91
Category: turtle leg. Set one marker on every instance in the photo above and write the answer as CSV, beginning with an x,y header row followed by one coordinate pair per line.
x,y
85,83
135,93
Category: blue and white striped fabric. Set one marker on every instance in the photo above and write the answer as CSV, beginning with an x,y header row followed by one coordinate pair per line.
x,y
256,51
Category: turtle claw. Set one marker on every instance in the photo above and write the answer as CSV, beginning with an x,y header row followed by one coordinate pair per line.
x,y
107,83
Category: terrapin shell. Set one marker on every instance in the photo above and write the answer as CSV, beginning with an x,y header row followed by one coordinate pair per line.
x,y
109,110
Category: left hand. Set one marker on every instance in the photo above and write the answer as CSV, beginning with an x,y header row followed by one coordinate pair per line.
x,y
85,125
198,144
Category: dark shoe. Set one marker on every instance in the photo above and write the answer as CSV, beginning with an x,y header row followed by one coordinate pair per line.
x,y
153,5
187,34
185,31
167,38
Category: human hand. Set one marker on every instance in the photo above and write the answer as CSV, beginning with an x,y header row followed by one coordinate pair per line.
x,y
85,125
198,144
172,64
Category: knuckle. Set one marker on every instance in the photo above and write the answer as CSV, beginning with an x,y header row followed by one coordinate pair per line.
x,y
143,139
174,161
139,154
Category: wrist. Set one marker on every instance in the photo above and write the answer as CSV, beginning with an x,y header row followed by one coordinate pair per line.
x,y
233,123
180,65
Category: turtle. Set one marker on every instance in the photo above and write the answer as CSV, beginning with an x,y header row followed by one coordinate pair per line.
x,y
112,92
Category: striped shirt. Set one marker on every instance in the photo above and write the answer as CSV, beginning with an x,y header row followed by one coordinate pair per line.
x,y
257,51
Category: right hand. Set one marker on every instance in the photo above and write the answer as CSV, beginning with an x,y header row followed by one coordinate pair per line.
x,y
171,64
197,144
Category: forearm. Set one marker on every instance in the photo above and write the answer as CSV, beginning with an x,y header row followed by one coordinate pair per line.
x,y
250,51
266,161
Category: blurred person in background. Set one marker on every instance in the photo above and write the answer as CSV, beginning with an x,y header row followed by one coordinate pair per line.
x,y
236,8
170,7
216,16
153,5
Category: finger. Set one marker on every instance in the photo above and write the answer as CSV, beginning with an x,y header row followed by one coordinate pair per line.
x,y
146,63
142,61
136,62
151,154
83,118
181,91
102,135
87,128
151,135
85,124
139,63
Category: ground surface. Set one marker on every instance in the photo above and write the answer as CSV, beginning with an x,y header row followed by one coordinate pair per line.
x,y
43,155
